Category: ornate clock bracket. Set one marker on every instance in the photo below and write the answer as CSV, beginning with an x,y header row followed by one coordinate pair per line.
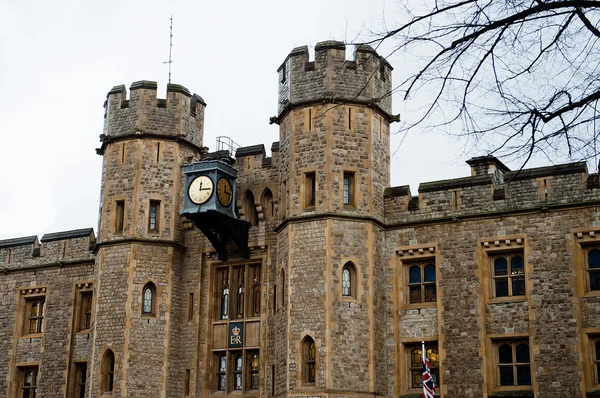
x,y
219,228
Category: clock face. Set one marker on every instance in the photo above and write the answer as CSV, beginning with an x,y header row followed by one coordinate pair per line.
x,y
224,191
200,189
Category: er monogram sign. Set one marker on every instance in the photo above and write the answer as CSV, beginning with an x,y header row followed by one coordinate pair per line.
x,y
236,334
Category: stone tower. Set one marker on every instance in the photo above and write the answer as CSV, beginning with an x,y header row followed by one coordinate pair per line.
x,y
334,118
139,254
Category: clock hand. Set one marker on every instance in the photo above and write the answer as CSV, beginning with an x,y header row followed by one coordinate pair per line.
x,y
200,186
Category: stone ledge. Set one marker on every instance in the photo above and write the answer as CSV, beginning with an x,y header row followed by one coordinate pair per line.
x,y
507,394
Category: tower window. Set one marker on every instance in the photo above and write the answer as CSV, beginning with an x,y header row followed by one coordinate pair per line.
x,y
119,216
309,352
416,364
154,216
29,382
311,188
349,280
35,319
80,379
149,299
348,189
237,372
85,310
107,372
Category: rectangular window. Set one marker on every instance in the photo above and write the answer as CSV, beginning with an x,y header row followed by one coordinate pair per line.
x,y
311,187
34,322
154,216
414,355
119,216
80,379
348,189
28,382
513,365
508,271
421,286
85,310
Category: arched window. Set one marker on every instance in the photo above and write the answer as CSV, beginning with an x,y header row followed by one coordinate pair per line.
x,y
349,282
509,276
309,355
514,364
149,299
250,208
421,283
416,364
267,204
30,383
107,377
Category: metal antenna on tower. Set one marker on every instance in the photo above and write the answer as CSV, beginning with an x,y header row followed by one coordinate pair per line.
x,y
170,61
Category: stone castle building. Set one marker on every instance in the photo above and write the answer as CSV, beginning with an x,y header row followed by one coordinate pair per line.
x,y
498,272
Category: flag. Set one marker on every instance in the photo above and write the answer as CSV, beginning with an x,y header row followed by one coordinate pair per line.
x,y
428,384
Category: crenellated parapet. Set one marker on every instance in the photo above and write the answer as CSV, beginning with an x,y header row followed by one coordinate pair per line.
x,y
179,116
366,79
493,189
56,249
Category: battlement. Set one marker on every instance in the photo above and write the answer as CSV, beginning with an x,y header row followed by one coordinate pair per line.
x,y
180,115
58,247
493,188
366,79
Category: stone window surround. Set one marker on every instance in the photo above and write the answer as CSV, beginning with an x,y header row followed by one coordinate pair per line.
x,y
409,255
309,176
585,239
157,201
26,296
491,248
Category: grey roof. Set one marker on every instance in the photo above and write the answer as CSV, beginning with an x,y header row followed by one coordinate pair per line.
x,y
75,233
250,150
26,240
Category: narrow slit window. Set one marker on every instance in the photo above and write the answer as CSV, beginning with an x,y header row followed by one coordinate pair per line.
x,y
348,189
309,119
311,187
154,216
349,118
157,152
190,307
119,216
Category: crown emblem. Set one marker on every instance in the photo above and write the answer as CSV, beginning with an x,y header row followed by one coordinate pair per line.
x,y
235,331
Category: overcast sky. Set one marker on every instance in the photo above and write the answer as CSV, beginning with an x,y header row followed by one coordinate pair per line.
x,y
58,60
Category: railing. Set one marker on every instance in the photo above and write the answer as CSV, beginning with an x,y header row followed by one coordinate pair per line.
x,y
225,143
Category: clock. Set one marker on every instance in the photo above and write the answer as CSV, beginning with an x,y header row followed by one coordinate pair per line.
x,y
224,191
200,189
